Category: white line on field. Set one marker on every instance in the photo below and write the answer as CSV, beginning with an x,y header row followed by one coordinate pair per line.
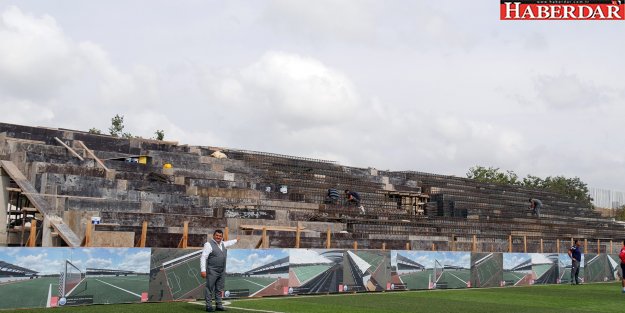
x,y
122,289
49,296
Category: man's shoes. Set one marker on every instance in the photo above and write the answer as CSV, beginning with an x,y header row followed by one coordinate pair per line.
x,y
210,309
220,308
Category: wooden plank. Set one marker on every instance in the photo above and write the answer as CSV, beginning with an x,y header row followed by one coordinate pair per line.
x,y
66,233
185,236
112,239
297,235
82,144
40,203
88,234
265,244
144,234
328,239
525,244
69,148
32,238
226,230
474,245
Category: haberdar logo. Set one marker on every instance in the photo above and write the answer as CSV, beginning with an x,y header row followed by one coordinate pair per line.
x,y
562,10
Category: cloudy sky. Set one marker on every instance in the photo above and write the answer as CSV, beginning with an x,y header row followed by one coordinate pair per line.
x,y
427,259
243,260
52,261
433,86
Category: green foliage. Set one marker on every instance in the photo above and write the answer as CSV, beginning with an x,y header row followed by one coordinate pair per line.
x,y
493,175
620,213
94,130
160,134
573,188
117,126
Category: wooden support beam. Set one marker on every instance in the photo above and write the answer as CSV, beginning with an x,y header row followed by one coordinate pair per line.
x,y
474,244
355,245
510,243
557,245
69,149
598,246
185,236
297,235
91,154
32,238
328,239
88,231
226,233
433,246
541,246
383,246
585,245
144,234
525,244
265,244
453,242
408,245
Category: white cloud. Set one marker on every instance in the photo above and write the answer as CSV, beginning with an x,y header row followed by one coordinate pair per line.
x,y
42,263
323,19
36,59
568,91
99,263
137,261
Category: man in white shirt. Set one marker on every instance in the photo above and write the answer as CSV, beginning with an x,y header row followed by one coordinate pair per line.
x,y
214,253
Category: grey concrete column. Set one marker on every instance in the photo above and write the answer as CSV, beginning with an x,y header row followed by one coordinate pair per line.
x,y
4,204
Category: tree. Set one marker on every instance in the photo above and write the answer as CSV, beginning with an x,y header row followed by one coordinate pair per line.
x,y
573,188
94,130
493,175
620,213
160,134
117,126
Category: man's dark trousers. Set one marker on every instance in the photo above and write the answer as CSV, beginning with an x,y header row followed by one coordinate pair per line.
x,y
215,268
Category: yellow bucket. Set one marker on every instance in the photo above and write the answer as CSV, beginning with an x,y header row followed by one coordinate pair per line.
x,y
167,165
143,160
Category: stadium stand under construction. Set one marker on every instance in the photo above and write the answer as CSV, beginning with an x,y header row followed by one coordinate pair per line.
x,y
64,187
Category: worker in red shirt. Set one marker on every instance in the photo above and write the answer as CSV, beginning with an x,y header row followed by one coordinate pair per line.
x,y
622,256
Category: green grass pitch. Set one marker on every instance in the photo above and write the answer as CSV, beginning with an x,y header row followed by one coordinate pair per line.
x,y
601,297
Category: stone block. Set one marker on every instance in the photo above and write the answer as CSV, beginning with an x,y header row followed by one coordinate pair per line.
x,y
179,180
229,176
191,191
146,206
110,175
122,185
